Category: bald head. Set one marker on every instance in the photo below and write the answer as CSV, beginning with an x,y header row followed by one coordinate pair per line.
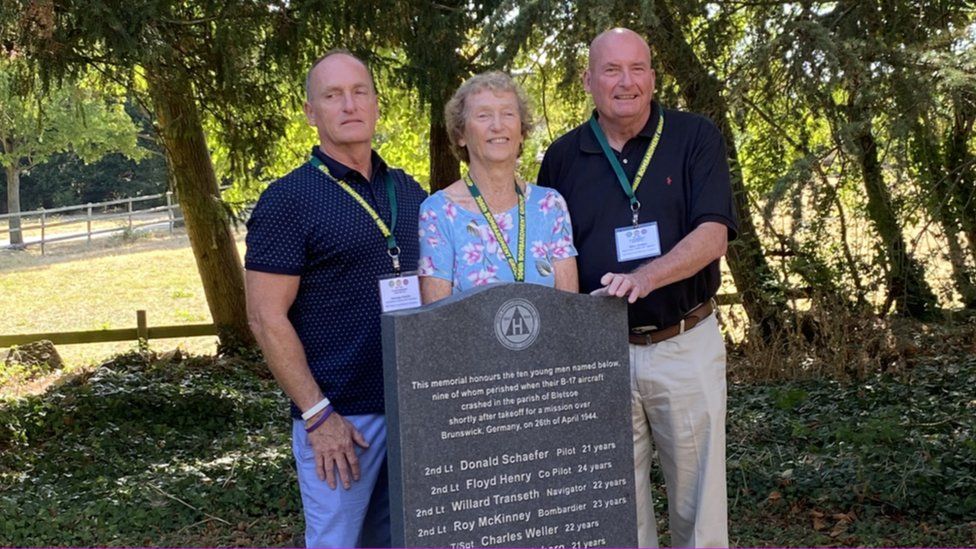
x,y
310,80
609,40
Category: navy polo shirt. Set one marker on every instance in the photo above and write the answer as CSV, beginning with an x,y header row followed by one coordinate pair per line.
x,y
306,225
685,185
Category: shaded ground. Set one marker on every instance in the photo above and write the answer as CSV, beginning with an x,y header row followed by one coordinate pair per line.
x,y
196,453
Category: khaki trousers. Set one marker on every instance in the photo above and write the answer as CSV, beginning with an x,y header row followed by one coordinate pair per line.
x,y
678,397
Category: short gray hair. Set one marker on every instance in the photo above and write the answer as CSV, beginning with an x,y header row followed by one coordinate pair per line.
x,y
455,114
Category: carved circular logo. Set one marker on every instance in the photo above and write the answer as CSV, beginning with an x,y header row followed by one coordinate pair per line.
x,y
517,324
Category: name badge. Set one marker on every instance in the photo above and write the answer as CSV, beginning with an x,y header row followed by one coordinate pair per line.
x,y
637,242
399,292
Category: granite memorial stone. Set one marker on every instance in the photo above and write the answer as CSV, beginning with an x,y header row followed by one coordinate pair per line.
x,y
508,417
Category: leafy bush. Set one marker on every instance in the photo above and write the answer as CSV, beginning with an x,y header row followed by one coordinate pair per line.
x,y
902,449
149,453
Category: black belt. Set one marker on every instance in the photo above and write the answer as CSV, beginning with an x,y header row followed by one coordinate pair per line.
x,y
690,320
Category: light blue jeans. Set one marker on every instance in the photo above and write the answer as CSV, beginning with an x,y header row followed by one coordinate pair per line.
x,y
359,516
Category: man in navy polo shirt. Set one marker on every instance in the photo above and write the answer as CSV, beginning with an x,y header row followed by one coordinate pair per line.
x,y
318,242
649,194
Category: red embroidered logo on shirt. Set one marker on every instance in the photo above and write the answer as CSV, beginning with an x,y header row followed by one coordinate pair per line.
x,y
668,181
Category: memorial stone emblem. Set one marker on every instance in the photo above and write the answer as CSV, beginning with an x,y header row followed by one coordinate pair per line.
x,y
517,324
508,419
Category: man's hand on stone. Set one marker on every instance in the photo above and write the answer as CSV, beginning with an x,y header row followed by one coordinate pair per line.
x,y
334,445
633,286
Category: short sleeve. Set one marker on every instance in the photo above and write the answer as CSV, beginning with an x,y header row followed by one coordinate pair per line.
x,y
436,241
275,234
711,189
562,229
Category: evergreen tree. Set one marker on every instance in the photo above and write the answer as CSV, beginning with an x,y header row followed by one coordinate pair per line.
x,y
190,60
846,62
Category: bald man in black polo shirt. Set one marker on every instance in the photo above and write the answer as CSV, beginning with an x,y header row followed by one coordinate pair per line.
x,y
651,204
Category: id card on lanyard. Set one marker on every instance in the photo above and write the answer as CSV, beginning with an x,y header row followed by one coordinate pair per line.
x,y
637,240
399,292
402,290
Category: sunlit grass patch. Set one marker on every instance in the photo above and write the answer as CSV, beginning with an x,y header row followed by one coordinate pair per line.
x,y
101,288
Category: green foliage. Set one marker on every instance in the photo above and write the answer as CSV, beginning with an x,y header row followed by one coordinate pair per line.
x,y
65,180
824,84
555,107
893,447
237,55
76,118
403,133
149,453
402,139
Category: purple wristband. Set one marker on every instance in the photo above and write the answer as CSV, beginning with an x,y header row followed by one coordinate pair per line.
x,y
318,423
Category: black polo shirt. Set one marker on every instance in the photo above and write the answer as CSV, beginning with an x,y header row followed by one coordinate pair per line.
x,y
686,184
305,225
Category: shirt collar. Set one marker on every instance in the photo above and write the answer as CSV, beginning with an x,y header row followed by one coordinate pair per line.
x,y
345,173
589,144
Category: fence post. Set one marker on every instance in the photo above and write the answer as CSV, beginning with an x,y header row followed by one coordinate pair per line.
x,y
43,228
129,207
89,222
169,210
142,330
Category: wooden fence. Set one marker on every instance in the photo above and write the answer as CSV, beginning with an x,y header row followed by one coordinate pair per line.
x,y
141,332
123,211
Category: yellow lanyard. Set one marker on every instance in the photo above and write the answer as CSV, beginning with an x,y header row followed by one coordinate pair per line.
x,y
630,189
517,266
391,245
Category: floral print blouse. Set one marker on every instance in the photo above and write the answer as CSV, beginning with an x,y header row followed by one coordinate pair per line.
x,y
459,246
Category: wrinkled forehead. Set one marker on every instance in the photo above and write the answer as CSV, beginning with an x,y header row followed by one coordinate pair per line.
x,y
487,97
340,71
490,95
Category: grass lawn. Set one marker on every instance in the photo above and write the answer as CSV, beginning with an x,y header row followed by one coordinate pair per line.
x,y
76,288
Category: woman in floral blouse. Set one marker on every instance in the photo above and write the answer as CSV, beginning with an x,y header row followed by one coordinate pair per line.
x,y
489,226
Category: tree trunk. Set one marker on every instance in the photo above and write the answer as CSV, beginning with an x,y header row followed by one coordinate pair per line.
x,y
905,278
762,298
940,175
961,273
437,35
13,204
444,166
961,166
199,196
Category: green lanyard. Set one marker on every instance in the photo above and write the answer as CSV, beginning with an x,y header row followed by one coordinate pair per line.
x,y
517,266
629,189
391,244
